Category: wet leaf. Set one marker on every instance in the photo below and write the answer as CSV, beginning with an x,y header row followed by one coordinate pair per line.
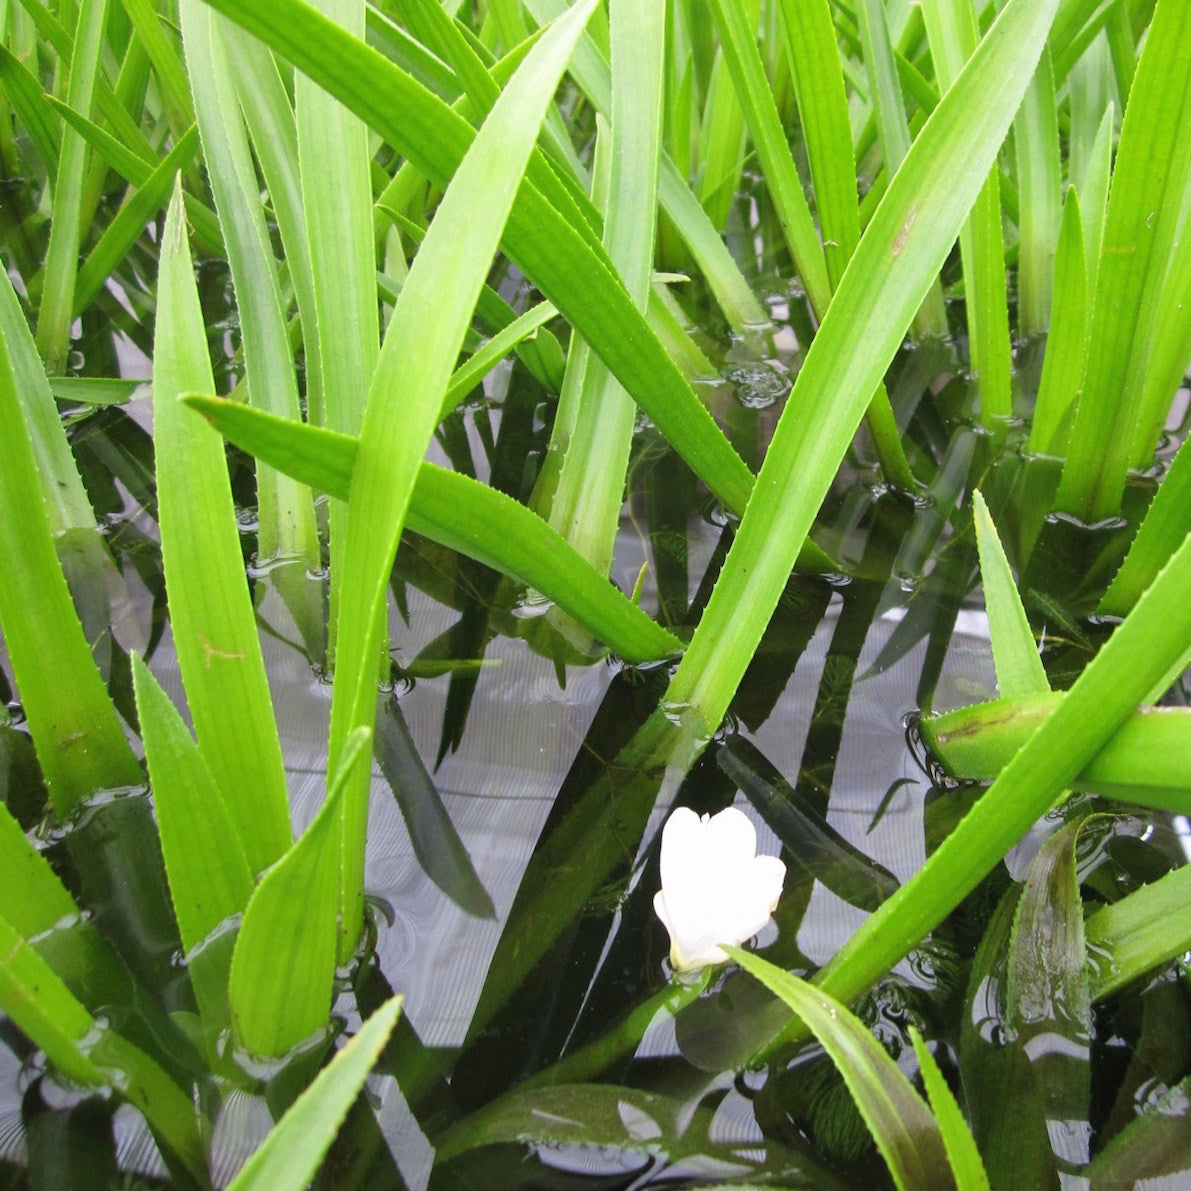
x,y
283,965
1144,929
1155,1146
902,1126
1147,761
1048,1002
290,1154
1015,652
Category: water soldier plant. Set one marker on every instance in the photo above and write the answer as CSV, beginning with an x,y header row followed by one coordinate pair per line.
x,y
718,373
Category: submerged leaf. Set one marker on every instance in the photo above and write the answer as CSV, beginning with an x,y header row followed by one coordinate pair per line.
x,y
1049,1007
814,844
33,996
1003,1100
441,853
1156,1146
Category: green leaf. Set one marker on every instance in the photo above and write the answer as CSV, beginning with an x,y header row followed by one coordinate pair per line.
x,y
900,254
1147,761
1039,187
167,62
1171,350
1077,23
80,743
1153,164
738,46
485,358
456,511
88,1053
823,113
62,488
61,260
214,627
1015,652
136,166
781,177
114,111
265,101
554,255
564,185
286,527
1144,929
1066,344
952,32
34,113
129,222
1165,525
422,342
205,860
93,390
1125,671
1093,196
127,162
904,1130
290,1154
962,1154
894,130
595,439
283,965
32,897
334,156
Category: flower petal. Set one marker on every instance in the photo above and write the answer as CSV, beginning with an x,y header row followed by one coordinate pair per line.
x,y
683,848
734,836
715,889
767,875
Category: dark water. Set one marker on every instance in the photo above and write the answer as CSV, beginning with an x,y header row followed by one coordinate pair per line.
x,y
556,772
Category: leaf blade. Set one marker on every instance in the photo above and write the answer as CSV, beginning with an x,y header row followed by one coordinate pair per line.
x,y
219,653
904,1130
290,1154
283,964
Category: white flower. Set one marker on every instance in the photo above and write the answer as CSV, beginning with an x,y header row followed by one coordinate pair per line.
x,y
715,889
